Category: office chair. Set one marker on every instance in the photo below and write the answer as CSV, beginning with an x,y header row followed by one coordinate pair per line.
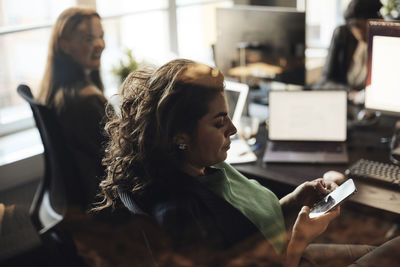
x,y
129,202
58,189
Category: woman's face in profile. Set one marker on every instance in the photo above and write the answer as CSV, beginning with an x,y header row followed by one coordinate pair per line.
x,y
86,43
211,139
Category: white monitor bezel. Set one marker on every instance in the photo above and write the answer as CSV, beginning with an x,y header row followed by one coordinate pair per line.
x,y
243,89
378,28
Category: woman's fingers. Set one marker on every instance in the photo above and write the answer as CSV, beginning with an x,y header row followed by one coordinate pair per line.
x,y
330,215
304,213
321,187
334,176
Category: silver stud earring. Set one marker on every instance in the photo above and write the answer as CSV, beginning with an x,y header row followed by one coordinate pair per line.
x,y
183,146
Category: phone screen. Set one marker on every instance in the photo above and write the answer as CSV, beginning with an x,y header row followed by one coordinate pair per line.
x,y
333,199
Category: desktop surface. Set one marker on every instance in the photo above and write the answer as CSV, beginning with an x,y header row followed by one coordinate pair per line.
x,y
364,142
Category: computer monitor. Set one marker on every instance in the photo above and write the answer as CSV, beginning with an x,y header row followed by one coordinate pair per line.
x,y
382,92
261,42
236,95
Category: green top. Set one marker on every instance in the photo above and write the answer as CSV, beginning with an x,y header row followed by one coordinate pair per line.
x,y
253,200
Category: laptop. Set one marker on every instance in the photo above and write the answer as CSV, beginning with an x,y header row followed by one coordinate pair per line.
x,y
236,95
307,127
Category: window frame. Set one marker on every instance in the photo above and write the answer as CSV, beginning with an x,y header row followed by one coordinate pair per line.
x,y
172,7
26,122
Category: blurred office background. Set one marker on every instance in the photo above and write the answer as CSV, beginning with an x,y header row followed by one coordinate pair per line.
x,y
155,30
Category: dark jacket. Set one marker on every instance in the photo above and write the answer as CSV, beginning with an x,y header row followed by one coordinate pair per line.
x,y
193,215
82,120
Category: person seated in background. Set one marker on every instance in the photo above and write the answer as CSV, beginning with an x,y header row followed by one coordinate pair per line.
x,y
166,152
346,63
72,86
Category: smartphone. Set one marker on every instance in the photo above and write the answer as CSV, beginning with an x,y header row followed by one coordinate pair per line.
x,y
333,199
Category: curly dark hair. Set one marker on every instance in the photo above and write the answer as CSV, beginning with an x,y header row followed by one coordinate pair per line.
x,y
156,105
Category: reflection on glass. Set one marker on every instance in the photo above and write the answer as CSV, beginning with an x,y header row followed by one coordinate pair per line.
x,y
324,205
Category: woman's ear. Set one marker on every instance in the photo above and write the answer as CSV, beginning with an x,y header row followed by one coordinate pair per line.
x,y
181,138
64,45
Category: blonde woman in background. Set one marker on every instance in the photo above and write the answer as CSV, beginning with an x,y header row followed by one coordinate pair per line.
x,y
73,88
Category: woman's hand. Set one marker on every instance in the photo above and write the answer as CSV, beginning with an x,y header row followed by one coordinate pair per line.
x,y
334,177
306,194
305,230
310,192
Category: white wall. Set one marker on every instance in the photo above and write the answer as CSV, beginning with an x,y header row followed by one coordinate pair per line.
x,y
21,171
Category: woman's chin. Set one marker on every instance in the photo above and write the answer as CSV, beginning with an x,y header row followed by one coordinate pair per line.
x,y
225,155
219,159
93,66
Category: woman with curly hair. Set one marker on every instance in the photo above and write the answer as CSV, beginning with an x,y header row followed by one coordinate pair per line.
x,y
165,157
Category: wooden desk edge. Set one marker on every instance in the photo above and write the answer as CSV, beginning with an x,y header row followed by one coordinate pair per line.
x,y
369,195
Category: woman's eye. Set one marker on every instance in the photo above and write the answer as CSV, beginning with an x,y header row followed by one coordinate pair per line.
x,y
220,123
89,38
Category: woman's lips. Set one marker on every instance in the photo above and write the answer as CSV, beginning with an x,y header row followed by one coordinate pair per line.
x,y
227,146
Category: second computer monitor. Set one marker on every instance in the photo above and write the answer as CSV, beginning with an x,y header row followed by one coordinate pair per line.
x,y
382,92
263,42
236,95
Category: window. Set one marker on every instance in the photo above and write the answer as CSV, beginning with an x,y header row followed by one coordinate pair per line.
x,y
156,31
143,26
144,32
24,36
197,29
321,18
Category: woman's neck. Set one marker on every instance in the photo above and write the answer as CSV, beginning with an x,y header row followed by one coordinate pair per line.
x,y
87,73
193,170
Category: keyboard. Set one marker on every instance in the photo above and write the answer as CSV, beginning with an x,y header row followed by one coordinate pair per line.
x,y
373,171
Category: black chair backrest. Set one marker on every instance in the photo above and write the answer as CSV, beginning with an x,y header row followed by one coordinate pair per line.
x,y
58,188
128,201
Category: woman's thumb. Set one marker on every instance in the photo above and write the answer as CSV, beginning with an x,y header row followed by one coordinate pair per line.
x,y
304,212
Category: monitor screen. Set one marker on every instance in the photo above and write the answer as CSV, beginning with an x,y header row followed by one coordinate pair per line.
x,y
261,42
382,92
236,95
232,98
303,115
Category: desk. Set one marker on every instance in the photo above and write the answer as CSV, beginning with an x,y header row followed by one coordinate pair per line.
x,y
362,143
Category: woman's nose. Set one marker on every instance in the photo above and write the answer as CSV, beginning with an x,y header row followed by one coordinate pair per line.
x,y
231,129
100,44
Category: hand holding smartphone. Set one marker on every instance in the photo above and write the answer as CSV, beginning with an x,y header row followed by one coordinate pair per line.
x,y
333,199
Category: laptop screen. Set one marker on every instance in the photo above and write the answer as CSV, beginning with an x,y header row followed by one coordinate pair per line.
x,y
236,95
308,115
